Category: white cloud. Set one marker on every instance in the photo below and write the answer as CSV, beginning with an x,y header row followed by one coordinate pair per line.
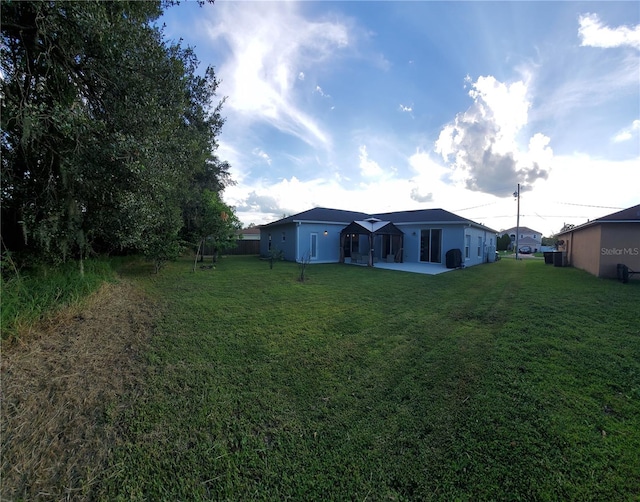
x,y
628,132
258,152
321,92
404,108
267,42
566,196
426,170
428,177
505,105
419,197
228,152
594,34
368,168
481,145
590,87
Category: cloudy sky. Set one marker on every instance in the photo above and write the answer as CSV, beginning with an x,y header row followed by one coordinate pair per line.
x,y
385,106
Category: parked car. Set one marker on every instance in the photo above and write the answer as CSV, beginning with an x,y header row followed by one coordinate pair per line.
x,y
525,249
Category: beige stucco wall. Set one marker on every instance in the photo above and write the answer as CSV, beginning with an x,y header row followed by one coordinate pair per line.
x,y
620,243
599,248
583,249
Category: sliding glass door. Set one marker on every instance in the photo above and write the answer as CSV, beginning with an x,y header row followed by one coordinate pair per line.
x,y
431,245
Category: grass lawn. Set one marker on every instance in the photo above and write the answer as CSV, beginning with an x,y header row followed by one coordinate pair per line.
x,y
509,381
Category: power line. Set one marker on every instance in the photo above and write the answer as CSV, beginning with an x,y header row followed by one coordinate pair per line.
x,y
588,205
530,216
474,207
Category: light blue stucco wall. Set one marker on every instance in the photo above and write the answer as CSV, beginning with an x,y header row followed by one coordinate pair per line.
x,y
480,239
452,237
297,241
283,238
328,247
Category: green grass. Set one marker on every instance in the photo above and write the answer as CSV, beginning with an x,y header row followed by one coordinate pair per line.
x,y
509,381
40,291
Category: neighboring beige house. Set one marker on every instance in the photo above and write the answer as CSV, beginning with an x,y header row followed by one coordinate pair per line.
x,y
249,234
525,237
600,245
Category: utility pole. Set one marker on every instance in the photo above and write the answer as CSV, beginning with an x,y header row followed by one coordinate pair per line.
x,y
517,196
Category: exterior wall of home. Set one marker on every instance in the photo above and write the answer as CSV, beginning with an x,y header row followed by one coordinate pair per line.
x,y
599,248
619,243
283,237
451,237
328,246
482,247
583,248
297,241
490,245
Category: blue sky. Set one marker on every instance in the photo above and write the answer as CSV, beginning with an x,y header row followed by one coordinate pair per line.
x,y
385,106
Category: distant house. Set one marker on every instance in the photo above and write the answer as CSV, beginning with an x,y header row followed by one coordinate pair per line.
x,y
324,235
249,234
247,242
525,236
598,246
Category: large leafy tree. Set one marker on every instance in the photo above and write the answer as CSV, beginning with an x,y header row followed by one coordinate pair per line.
x,y
214,221
108,130
504,241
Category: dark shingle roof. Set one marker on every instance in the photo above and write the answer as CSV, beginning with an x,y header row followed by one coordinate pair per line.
x,y
522,230
322,214
629,214
422,216
339,216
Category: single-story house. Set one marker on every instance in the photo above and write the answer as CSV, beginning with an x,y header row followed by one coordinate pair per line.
x,y
323,235
598,246
248,234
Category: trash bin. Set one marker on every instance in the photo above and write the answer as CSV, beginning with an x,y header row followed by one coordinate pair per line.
x,y
558,258
548,257
623,273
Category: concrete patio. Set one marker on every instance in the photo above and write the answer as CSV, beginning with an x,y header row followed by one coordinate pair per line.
x,y
415,268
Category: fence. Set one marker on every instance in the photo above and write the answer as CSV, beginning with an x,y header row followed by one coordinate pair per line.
x,y
243,247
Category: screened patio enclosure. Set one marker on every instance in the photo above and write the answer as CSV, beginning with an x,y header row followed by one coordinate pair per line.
x,y
370,240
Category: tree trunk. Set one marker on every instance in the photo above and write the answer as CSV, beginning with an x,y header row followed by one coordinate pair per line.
x,y
195,263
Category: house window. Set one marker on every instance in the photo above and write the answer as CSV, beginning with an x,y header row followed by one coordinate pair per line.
x,y
467,246
313,246
284,236
269,242
430,245
479,246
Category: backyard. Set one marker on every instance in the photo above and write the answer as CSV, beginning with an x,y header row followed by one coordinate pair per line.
x,y
513,381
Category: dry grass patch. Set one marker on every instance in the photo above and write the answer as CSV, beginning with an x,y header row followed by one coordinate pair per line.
x,y
61,387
